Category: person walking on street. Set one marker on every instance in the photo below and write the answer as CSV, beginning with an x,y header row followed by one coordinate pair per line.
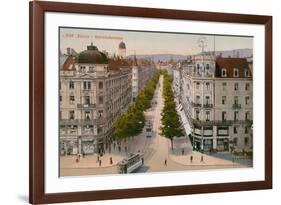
x,y
191,159
100,163
165,162
182,151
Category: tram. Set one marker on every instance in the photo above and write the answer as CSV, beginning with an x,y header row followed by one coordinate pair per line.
x,y
130,164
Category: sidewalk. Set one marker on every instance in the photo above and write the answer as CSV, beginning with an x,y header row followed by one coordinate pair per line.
x,y
183,145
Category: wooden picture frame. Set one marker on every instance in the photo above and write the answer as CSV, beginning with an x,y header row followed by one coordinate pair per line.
x,y
37,97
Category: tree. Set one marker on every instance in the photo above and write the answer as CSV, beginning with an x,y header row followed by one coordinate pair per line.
x,y
171,125
131,123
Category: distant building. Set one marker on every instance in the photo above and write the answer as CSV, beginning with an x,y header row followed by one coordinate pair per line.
x,y
92,96
122,50
142,71
217,100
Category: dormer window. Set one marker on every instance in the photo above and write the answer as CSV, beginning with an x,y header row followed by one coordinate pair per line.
x,y
247,73
235,73
223,72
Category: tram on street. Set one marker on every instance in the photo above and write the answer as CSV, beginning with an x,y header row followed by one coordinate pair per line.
x,y
130,164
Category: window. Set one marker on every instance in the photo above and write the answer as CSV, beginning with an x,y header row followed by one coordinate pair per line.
x,y
246,141
235,86
207,98
197,99
87,100
71,85
247,86
207,115
224,86
223,100
235,130
246,130
197,85
207,66
247,73
101,85
87,115
197,112
60,85
235,141
223,115
247,100
60,98
236,100
71,99
236,115
100,113
223,72
198,68
71,115
91,68
235,72
247,115
208,86
100,99
86,85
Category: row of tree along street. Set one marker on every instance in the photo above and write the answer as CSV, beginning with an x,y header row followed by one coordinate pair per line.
x,y
171,125
132,122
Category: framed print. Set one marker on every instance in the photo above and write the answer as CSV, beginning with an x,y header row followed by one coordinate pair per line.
x,y
138,102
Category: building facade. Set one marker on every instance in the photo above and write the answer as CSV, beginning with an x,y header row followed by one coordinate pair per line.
x,y
92,96
217,100
142,72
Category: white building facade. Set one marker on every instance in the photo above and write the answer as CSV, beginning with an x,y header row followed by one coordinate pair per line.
x,y
218,102
92,96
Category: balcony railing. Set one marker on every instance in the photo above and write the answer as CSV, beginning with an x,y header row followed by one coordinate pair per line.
x,y
208,105
86,105
196,104
221,122
77,121
236,106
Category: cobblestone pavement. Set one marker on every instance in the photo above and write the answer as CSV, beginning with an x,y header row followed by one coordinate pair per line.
x,y
156,150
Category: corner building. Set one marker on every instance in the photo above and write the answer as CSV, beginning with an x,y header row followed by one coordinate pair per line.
x,y
216,95
92,96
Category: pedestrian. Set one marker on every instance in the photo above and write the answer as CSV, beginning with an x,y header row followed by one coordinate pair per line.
x,y
98,158
142,161
191,159
100,163
77,160
182,151
202,159
165,162
111,162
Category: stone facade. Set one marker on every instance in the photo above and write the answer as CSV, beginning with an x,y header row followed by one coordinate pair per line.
x,y
92,96
216,95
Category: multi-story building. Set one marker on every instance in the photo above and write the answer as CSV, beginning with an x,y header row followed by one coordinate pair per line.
x,y
142,71
92,96
217,100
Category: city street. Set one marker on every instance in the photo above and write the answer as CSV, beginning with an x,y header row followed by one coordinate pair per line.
x,y
156,149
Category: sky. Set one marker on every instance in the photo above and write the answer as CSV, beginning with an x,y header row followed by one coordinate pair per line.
x,y
147,43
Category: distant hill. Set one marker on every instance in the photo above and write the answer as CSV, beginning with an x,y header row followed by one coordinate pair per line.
x,y
160,57
242,53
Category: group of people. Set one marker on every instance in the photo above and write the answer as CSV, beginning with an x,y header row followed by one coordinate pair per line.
x,y
191,160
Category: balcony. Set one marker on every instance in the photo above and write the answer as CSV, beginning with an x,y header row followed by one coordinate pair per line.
x,y
196,104
77,122
236,106
208,105
221,122
86,105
